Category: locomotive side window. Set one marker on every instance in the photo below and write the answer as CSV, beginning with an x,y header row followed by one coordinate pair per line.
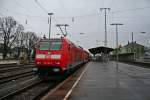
x,y
55,45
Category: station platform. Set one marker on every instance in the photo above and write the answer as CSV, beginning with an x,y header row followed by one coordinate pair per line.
x,y
101,81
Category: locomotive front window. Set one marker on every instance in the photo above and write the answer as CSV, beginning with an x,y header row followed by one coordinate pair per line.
x,y
44,45
55,45
52,45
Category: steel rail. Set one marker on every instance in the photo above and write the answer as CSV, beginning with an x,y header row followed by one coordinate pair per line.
x,y
12,93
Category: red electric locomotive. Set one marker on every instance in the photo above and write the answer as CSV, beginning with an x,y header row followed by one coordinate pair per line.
x,y
58,56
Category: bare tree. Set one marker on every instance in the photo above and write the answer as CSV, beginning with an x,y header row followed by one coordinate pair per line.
x,y
30,40
8,26
10,33
20,38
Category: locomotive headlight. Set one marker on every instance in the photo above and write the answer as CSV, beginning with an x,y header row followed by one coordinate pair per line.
x,y
40,56
55,56
56,69
34,69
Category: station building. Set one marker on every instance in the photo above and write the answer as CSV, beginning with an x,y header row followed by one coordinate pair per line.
x,y
130,52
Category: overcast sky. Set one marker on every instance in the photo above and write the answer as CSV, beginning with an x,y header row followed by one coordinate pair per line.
x,y
88,19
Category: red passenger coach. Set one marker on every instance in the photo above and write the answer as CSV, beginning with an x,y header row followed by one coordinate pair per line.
x,y
58,56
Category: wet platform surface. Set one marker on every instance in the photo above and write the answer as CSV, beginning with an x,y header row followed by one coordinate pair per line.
x,y
102,82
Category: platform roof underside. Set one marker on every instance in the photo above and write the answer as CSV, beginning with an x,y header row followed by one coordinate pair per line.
x,y
100,50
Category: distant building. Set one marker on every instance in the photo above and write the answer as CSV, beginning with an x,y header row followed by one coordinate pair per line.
x,y
131,51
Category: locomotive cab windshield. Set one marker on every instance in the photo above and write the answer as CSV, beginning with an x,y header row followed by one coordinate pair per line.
x,y
50,45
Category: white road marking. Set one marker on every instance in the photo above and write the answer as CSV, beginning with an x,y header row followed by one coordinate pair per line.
x,y
74,85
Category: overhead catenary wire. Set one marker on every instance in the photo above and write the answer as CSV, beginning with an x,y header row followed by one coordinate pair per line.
x,y
41,7
44,18
22,14
111,3
118,11
134,9
62,6
21,6
63,17
44,10
26,20
70,17
143,38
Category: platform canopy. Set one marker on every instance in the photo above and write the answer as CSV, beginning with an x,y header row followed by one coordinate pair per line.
x,y
100,50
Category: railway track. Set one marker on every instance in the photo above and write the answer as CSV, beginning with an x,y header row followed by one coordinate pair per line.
x,y
14,73
6,93
27,89
14,70
31,89
14,77
8,65
16,81
9,69
35,92
14,65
